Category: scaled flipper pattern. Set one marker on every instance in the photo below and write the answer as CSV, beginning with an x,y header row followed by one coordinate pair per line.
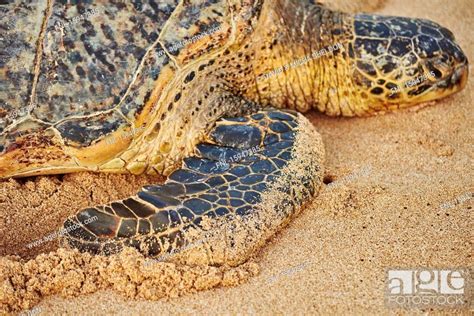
x,y
229,176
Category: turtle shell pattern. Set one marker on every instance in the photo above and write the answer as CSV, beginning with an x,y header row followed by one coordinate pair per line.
x,y
72,74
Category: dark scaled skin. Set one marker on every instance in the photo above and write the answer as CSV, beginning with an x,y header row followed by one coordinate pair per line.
x,y
421,46
189,83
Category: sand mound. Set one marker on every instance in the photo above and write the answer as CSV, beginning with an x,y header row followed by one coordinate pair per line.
x,y
70,273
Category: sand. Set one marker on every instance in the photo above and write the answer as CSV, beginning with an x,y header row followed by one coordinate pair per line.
x,y
391,177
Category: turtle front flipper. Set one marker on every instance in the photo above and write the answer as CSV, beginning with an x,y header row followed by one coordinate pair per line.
x,y
241,185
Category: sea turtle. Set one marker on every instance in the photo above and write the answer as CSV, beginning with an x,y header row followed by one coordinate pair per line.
x,y
207,92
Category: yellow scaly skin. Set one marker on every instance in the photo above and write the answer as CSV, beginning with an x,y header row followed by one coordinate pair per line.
x,y
313,57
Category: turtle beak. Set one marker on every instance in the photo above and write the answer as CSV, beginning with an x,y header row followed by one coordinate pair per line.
x,y
446,70
451,79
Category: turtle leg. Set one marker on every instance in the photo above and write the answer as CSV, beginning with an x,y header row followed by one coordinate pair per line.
x,y
242,184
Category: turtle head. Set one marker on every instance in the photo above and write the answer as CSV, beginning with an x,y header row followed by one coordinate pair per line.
x,y
353,65
399,62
